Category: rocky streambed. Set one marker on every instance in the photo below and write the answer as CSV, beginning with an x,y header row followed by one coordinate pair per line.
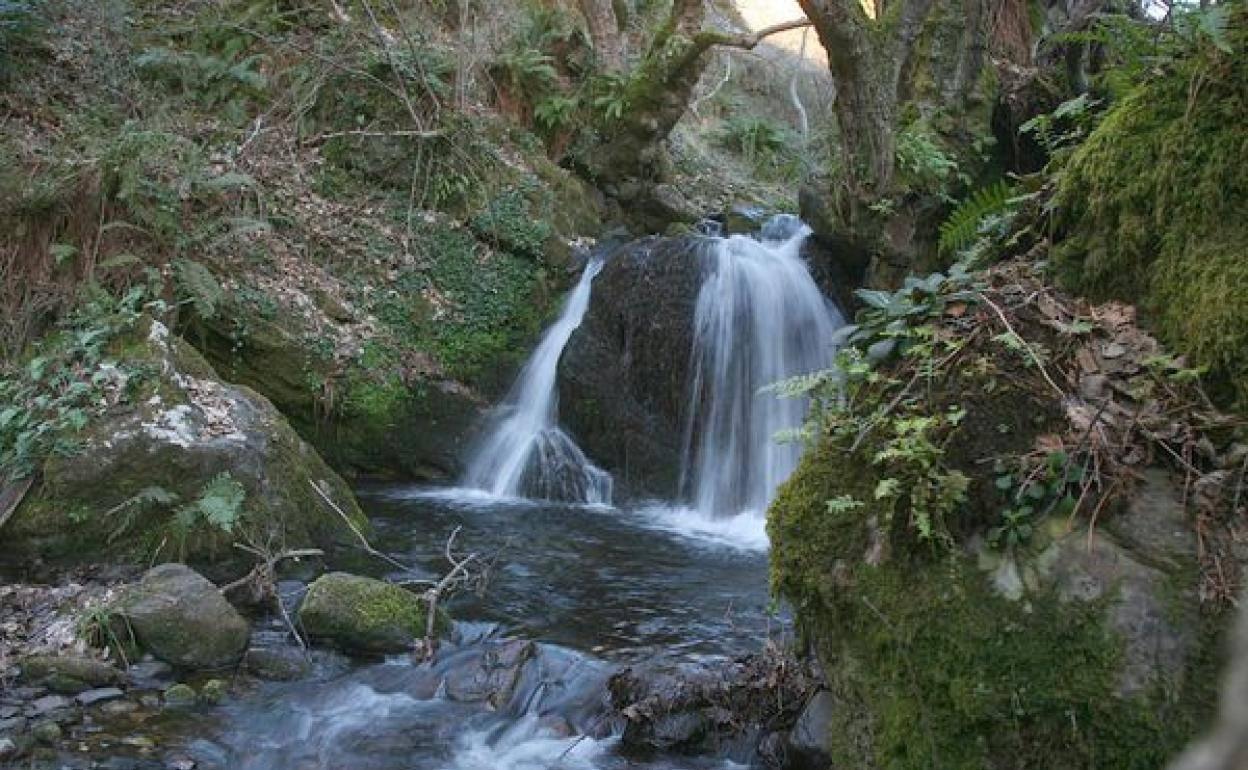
x,y
606,638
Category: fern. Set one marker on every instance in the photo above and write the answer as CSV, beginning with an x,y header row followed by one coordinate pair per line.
x,y
219,505
198,287
963,225
144,500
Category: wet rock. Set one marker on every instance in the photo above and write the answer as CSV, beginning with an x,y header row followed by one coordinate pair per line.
x,y
8,749
807,746
744,218
281,664
48,704
491,674
47,732
81,672
213,691
360,614
181,618
100,695
149,673
180,695
623,378
724,710
12,725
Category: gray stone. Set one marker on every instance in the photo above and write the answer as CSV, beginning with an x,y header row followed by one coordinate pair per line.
x,y
91,697
150,673
181,618
808,741
277,663
12,725
82,672
8,749
490,675
119,707
1226,748
47,704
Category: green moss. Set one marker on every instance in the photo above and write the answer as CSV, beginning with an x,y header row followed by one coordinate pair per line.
x,y
933,669
362,613
1153,210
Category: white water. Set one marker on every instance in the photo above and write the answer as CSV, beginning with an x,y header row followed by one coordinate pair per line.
x,y
760,319
524,453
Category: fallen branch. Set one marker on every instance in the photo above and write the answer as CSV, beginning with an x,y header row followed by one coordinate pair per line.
x,y
1026,346
367,546
433,595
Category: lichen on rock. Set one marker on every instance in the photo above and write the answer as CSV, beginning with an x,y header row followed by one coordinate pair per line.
x,y
159,448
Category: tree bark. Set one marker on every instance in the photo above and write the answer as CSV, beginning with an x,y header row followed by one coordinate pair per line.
x,y
866,57
605,33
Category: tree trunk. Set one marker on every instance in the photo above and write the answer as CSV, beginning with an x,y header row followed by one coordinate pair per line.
x,y
604,32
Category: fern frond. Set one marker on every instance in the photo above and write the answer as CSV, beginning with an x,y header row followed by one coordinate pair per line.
x,y
962,227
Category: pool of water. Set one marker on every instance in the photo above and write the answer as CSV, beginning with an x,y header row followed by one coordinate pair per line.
x,y
597,587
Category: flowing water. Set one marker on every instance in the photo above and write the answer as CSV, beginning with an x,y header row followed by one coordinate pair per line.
x,y
601,587
523,452
760,319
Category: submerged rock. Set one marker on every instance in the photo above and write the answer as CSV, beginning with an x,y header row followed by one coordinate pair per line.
x,y
181,618
360,614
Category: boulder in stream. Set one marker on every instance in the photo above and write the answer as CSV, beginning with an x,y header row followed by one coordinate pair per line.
x,y
623,376
180,617
364,615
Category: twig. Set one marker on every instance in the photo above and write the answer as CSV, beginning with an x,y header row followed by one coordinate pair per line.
x,y
368,547
1032,353
435,593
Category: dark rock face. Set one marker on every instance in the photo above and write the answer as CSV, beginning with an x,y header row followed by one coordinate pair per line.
x,y
181,618
623,377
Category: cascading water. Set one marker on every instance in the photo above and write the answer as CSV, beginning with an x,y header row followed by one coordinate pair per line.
x,y
524,453
760,319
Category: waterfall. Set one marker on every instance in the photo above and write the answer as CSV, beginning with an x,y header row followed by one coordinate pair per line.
x,y
523,452
760,319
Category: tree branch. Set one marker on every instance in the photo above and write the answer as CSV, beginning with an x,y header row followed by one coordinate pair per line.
x,y
749,41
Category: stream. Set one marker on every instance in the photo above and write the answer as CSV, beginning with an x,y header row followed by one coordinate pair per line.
x,y
600,587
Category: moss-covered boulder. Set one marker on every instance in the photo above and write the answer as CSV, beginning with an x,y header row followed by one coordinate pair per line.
x,y
180,617
1084,651
177,462
360,614
1153,207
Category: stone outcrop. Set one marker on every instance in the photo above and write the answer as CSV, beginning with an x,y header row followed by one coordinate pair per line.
x,y
174,429
623,377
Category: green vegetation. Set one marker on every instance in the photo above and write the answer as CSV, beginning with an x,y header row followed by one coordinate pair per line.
x,y
1150,208
50,397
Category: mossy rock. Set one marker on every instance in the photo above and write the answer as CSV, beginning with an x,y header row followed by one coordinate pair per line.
x,y
364,615
1071,653
180,617
1153,209
158,449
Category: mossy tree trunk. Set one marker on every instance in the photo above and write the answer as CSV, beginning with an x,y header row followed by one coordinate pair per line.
x,y
657,90
867,57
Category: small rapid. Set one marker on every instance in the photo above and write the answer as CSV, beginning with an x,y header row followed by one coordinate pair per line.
x,y
523,452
